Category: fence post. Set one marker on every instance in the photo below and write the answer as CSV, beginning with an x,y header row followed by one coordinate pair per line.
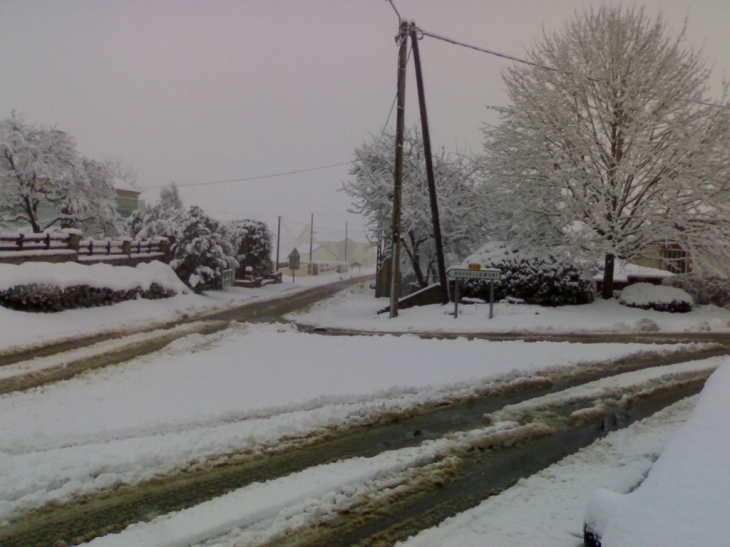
x,y
73,242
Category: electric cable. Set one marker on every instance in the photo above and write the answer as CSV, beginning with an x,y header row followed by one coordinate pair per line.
x,y
259,177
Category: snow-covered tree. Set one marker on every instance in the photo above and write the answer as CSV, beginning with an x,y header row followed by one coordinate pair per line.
x,y
251,242
91,206
170,197
616,147
123,171
461,204
200,251
200,248
45,182
160,219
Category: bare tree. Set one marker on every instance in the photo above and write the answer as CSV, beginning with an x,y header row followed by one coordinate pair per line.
x,y
610,144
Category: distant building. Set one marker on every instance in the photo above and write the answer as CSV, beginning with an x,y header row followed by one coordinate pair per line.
x,y
345,250
128,201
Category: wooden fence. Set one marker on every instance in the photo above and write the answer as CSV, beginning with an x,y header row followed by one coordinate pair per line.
x,y
69,246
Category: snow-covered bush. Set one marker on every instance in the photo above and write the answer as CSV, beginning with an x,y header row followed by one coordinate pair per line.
x,y
52,298
251,242
200,253
199,247
655,297
47,287
704,289
536,277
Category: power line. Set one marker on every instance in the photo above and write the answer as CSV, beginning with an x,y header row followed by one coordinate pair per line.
x,y
530,63
322,228
483,50
245,179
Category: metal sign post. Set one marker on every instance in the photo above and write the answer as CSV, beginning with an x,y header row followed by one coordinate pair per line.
x,y
474,271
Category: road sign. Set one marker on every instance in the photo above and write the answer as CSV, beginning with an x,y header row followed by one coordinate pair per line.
x,y
474,272
492,274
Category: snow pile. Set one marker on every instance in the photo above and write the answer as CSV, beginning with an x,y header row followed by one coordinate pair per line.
x,y
684,500
660,298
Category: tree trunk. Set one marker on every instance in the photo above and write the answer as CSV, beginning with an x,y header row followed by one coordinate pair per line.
x,y
607,289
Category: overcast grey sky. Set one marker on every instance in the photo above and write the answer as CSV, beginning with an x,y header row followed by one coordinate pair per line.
x,y
205,91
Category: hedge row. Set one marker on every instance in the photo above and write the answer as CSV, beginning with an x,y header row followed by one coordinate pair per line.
x,y
36,297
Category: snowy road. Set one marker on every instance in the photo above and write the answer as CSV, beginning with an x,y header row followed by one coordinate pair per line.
x,y
256,433
127,442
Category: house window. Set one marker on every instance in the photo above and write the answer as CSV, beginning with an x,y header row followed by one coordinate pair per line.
x,y
675,260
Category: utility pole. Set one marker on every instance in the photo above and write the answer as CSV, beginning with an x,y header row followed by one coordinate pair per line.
x,y
311,237
441,263
345,241
278,239
398,173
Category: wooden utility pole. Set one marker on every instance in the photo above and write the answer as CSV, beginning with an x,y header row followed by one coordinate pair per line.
x,y
311,238
278,239
435,220
398,173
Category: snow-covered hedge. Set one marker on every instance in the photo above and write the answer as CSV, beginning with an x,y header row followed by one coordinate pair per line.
x,y
541,278
654,297
704,289
45,287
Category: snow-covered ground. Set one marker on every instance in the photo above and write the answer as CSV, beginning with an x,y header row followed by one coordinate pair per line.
x,y
249,387
28,329
352,309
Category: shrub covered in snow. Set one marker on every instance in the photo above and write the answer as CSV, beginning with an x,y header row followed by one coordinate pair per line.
x,y
51,298
704,289
199,250
654,297
251,242
43,287
537,277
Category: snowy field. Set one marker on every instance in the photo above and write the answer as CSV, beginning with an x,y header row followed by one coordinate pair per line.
x,y
249,387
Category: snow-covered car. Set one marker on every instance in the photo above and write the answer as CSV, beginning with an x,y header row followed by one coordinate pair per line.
x,y
685,498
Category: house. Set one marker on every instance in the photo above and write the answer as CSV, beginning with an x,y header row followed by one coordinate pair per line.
x,y
345,250
128,201
668,257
